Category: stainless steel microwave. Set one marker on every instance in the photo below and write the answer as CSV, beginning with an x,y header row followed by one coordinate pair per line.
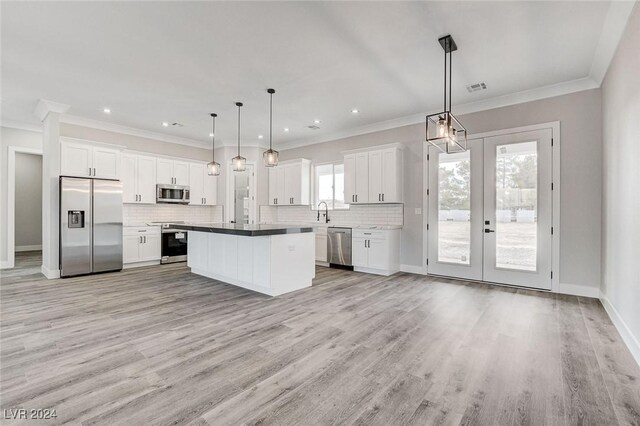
x,y
175,194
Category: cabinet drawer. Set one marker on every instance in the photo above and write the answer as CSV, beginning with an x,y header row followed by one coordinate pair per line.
x,y
369,234
141,230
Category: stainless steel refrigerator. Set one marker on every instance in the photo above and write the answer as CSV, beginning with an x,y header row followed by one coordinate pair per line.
x,y
90,226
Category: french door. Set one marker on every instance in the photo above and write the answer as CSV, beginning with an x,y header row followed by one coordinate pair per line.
x,y
490,210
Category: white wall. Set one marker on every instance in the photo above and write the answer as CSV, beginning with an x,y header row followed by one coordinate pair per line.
x,y
580,115
19,138
621,206
28,200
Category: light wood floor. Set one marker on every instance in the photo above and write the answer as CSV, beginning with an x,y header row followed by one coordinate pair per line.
x,y
159,345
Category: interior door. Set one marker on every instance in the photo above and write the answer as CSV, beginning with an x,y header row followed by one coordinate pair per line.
x,y
455,212
517,209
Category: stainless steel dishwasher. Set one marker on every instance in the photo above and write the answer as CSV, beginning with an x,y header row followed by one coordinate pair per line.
x,y
339,246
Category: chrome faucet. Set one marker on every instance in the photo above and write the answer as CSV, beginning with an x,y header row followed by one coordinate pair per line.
x,y
326,212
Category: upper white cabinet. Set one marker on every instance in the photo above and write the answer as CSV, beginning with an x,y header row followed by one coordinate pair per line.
x,y
356,178
172,172
138,179
203,188
86,160
373,176
289,183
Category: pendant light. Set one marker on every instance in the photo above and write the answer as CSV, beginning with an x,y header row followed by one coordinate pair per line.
x,y
213,168
239,162
444,131
270,156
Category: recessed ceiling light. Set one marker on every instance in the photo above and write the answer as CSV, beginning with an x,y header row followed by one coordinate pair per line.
x,y
286,129
354,111
165,124
316,121
260,136
107,110
210,135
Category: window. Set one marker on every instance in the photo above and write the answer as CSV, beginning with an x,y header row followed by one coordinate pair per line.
x,y
329,186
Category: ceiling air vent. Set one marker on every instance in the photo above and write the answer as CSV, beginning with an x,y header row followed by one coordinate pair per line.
x,y
313,127
476,87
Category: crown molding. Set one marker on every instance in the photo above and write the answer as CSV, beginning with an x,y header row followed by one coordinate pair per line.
x,y
21,126
147,134
539,93
612,30
44,107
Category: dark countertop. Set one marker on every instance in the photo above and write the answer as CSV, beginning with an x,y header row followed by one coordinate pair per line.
x,y
243,230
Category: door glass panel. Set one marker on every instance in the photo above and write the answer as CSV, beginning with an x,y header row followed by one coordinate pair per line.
x,y
454,215
241,197
516,206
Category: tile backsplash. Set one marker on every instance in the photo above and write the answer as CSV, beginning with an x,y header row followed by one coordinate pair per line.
x,y
370,214
139,214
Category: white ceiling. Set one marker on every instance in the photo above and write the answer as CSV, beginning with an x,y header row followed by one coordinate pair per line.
x,y
177,61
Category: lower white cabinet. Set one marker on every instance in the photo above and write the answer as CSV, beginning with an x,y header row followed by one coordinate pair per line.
x,y
376,251
141,245
321,245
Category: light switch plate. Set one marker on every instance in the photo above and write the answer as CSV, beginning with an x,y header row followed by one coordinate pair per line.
x,y
418,211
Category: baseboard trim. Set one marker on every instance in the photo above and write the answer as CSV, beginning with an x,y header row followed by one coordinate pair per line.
x,y
579,290
140,264
51,274
627,336
29,248
5,264
412,269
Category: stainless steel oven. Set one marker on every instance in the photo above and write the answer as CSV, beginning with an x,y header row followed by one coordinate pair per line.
x,y
176,194
174,245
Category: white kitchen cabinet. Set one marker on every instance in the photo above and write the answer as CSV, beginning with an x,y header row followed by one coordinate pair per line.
x,y
289,183
141,245
86,160
385,179
172,172
376,251
373,176
356,178
138,179
203,188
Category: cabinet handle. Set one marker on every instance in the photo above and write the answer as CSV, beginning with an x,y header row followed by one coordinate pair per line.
x,y
382,197
145,239
356,198
94,171
379,197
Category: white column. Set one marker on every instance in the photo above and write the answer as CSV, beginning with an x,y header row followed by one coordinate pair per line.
x,y
49,112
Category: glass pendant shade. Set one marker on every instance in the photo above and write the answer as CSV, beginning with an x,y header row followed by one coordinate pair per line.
x,y
270,158
446,133
213,169
239,163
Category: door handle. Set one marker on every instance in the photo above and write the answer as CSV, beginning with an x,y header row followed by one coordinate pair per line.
x,y
487,230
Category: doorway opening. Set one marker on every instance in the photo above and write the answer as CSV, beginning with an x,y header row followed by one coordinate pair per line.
x,y
490,210
24,208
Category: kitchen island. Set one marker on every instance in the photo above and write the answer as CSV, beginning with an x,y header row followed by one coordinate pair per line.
x,y
269,259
